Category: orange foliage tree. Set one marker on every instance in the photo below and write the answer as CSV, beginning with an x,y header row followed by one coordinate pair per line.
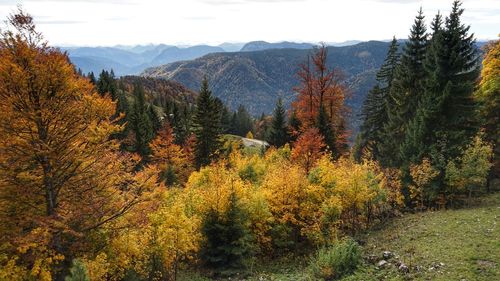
x,y
307,150
319,88
61,175
171,159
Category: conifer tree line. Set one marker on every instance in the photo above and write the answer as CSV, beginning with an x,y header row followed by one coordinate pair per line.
x,y
423,104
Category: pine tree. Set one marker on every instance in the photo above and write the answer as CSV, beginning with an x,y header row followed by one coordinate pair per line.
x,y
445,120
374,111
141,123
405,93
326,131
293,126
228,240
155,120
279,131
92,79
106,84
207,126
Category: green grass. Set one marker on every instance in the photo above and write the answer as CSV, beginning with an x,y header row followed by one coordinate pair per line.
x,y
465,241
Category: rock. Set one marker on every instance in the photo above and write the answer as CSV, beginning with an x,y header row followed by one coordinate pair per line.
x,y
382,263
387,255
372,259
403,268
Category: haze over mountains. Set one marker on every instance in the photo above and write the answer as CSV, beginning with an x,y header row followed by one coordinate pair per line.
x,y
132,60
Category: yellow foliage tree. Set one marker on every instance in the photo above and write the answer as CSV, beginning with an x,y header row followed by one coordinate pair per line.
x,y
61,173
422,175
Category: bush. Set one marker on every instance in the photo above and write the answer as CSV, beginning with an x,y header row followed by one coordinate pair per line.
x,y
78,272
335,261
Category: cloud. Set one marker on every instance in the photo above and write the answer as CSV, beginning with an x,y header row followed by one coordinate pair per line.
x,y
200,18
58,21
21,2
239,2
398,1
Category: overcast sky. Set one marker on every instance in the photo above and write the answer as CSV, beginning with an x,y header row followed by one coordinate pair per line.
x,y
112,22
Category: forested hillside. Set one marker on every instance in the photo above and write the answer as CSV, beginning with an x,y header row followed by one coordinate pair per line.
x,y
257,79
137,178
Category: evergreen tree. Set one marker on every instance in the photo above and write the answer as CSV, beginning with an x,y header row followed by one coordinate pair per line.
x,y
141,123
241,122
293,126
77,272
228,239
326,131
445,120
106,84
279,130
405,92
155,120
92,79
374,111
207,126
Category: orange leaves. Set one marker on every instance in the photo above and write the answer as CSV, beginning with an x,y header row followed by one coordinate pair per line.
x,y
169,156
60,169
319,86
308,148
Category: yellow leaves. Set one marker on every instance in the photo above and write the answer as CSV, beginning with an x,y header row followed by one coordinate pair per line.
x,y
98,267
9,270
422,175
175,235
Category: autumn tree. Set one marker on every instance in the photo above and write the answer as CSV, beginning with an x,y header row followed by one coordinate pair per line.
x,y
488,98
320,88
171,159
308,148
61,174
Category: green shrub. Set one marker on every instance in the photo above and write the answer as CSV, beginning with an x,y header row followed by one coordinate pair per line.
x,y
335,261
78,272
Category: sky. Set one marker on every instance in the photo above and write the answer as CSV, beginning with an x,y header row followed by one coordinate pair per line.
x,y
190,22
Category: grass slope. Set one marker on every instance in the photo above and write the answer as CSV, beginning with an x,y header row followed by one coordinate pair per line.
x,y
462,244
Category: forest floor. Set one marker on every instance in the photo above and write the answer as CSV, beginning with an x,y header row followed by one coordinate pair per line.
x,y
454,244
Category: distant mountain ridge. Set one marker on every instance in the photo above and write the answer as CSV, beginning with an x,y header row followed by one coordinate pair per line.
x,y
132,60
257,78
263,45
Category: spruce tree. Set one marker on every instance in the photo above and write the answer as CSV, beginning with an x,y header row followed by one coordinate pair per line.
x,y
155,120
279,131
325,129
405,92
445,120
141,123
228,240
374,110
293,126
92,79
106,84
207,126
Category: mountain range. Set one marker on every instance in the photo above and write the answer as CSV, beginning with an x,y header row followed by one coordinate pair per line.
x,y
132,60
257,78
